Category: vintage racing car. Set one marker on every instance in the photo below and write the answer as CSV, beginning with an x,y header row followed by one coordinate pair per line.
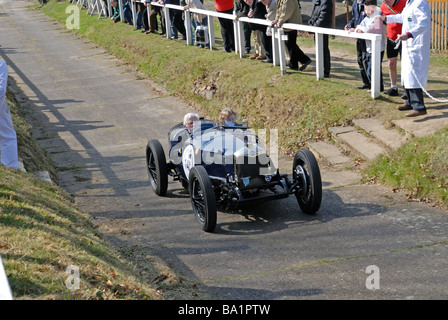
x,y
226,166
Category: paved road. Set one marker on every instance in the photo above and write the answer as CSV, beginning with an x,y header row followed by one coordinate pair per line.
x,y
95,116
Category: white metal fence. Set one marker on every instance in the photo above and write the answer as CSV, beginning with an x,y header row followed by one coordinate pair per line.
x,y
278,47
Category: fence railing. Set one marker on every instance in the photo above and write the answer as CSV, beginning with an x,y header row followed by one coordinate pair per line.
x,y
278,47
439,24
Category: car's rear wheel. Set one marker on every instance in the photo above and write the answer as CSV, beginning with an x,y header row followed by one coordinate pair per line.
x,y
156,165
202,197
305,171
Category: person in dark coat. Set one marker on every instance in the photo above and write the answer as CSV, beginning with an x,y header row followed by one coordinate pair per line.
x,y
322,16
241,11
361,53
288,11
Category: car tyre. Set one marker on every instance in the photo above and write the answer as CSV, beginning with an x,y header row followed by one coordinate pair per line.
x,y
156,165
305,170
203,198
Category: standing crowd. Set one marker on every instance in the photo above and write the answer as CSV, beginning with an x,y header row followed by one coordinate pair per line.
x,y
404,26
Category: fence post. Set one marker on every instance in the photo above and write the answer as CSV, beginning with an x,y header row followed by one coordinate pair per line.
x,y
188,27
166,11
102,10
120,4
109,9
275,52
281,50
319,39
376,67
239,38
134,13
5,290
211,31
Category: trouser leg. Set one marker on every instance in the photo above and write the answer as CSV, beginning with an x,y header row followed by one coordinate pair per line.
x,y
8,141
361,57
415,99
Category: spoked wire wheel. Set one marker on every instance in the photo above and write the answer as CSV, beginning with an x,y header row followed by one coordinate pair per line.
x,y
202,197
156,165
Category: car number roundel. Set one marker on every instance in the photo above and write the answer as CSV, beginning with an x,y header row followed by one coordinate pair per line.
x,y
188,160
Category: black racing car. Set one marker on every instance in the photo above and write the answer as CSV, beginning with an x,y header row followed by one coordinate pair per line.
x,y
223,166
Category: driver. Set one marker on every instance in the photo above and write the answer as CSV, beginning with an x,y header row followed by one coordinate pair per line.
x,y
189,119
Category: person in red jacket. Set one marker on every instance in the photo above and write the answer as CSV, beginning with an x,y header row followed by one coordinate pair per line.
x,y
226,6
392,7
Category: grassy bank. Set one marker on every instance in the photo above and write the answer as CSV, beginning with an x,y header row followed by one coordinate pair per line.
x,y
299,106
43,234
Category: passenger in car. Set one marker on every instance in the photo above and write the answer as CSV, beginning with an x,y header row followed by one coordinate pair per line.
x,y
228,117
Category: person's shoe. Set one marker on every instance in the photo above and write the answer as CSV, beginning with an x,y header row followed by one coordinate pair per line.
x,y
393,92
416,113
404,107
404,97
266,61
294,68
364,86
247,51
303,66
327,75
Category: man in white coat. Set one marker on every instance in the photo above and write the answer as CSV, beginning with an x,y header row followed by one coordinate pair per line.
x,y
8,137
416,41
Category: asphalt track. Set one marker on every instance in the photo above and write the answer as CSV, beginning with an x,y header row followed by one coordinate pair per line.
x,y
95,115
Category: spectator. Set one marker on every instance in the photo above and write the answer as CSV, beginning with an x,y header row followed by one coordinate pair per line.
x,y
271,9
115,11
271,12
177,23
361,52
116,5
258,11
226,6
151,22
322,16
289,11
146,16
371,25
8,136
140,11
242,8
416,34
197,19
127,12
392,7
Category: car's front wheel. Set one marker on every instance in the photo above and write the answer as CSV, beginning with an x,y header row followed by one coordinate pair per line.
x,y
306,174
203,198
156,165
